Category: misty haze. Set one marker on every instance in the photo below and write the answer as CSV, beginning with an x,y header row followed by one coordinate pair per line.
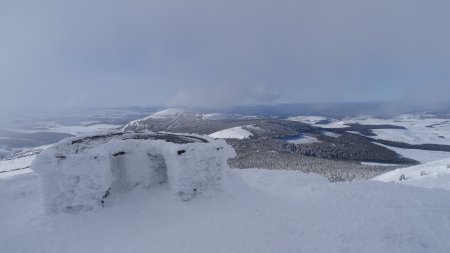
x,y
224,126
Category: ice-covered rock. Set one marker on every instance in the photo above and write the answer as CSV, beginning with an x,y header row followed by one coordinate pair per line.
x,y
79,173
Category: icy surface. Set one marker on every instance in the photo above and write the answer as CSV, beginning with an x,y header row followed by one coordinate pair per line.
x,y
430,175
79,173
258,211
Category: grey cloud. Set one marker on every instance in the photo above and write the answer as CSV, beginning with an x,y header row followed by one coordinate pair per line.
x,y
77,53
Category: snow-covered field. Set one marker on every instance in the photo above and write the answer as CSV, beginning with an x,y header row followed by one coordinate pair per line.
x,y
6,165
419,130
304,139
14,167
320,121
68,129
78,130
258,211
232,133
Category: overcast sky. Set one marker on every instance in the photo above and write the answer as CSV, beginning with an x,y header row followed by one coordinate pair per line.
x,y
178,52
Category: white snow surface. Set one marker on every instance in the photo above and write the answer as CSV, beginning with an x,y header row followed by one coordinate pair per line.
x,y
14,167
82,128
7,165
331,134
21,163
380,164
304,139
214,116
257,211
79,173
232,133
317,121
10,168
429,175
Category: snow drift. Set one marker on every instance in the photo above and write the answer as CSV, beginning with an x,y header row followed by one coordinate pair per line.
x,y
80,173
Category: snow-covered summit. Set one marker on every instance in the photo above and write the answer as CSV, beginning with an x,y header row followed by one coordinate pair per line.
x,y
80,173
164,120
167,113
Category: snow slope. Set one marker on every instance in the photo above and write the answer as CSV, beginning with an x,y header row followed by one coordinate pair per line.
x,y
167,113
258,211
232,133
171,113
429,175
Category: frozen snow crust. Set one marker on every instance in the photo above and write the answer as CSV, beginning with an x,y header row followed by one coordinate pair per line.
x,y
80,173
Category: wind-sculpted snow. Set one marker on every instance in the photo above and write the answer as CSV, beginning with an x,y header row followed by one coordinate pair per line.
x,y
80,173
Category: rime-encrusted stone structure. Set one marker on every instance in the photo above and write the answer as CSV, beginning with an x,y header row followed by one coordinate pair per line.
x,y
80,173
